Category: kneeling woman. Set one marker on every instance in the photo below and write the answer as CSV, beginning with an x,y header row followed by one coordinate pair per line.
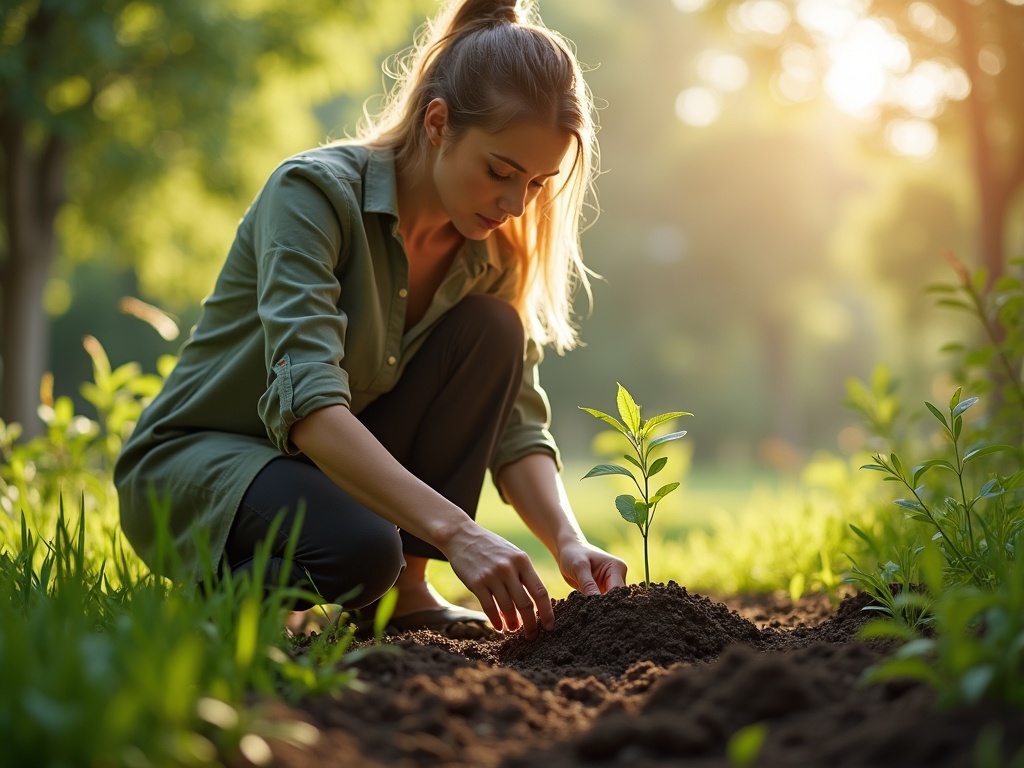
x,y
371,345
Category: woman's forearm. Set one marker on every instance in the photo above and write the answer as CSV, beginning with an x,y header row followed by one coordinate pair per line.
x,y
338,443
534,488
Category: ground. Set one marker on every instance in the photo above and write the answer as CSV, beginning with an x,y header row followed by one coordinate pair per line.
x,y
646,677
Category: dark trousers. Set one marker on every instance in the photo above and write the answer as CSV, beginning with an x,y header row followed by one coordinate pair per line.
x,y
442,422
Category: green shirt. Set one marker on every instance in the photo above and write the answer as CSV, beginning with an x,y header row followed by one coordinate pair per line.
x,y
308,311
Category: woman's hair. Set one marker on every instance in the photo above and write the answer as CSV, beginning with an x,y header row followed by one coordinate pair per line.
x,y
494,63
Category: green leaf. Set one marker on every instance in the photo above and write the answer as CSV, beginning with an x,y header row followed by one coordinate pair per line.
x,y
964,405
664,491
955,398
628,410
632,460
937,414
745,745
913,504
666,438
626,504
958,425
920,469
641,510
896,465
657,466
606,418
381,617
608,469
913,668
986,451
655,421
975,682
955,303
991,489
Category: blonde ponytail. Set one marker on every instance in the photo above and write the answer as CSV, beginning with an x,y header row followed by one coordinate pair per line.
x,y
494,63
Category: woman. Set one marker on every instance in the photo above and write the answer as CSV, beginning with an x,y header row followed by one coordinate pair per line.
x,y
371,346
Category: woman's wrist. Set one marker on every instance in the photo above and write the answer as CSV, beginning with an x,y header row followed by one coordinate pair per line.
x,y
446,528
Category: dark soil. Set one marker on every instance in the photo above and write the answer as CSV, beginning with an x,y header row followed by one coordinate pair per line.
x,y
644,677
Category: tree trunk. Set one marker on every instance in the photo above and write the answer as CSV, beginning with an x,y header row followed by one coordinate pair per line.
x,y
995,189
33,187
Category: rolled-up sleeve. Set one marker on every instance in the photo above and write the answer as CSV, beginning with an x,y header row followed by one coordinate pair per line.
x,y
300,229
527,431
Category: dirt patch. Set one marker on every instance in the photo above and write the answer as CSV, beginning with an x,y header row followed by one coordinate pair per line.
x,y
644,677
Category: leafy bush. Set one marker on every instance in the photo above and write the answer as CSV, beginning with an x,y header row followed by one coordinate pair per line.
x,y
957,600
102,663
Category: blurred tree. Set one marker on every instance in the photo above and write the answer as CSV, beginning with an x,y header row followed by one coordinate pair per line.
x,y
923,72
132,129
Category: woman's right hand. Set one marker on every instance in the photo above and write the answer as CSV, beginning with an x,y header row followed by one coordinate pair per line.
x,y
501,577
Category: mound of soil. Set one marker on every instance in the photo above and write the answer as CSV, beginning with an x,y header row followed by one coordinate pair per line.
x,y
645,677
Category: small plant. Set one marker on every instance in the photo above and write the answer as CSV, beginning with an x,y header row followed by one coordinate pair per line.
x,y
639,433
966,584
954,520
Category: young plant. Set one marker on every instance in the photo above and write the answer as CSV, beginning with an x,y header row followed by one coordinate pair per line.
x,y
954,521
639,433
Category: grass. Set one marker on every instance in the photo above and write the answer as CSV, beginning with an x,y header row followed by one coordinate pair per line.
x,y
104,664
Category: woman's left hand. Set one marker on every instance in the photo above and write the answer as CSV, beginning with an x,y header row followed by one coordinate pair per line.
x,y
590,570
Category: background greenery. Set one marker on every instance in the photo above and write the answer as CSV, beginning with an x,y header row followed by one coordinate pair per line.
x,y
750,265
782,178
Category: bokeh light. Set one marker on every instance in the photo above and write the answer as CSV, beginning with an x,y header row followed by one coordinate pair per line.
x,y
691,6
698,106
918,139
723,71
768,18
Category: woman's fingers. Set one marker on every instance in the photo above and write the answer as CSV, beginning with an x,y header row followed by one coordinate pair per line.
x,y
503,580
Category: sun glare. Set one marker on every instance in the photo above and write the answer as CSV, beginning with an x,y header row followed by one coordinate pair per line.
x,y
698,106
862,63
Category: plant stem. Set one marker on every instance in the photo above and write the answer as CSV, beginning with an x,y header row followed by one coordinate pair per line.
x,y
963,495
647,566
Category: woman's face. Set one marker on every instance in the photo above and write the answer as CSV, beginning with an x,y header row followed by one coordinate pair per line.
x,y
482,178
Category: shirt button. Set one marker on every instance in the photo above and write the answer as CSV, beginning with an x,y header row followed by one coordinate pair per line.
x,y
392,359
402,293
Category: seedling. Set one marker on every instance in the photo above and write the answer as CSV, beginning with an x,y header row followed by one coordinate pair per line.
x,y
639,433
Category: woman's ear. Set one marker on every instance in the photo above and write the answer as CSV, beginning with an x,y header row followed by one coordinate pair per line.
x,y
435,120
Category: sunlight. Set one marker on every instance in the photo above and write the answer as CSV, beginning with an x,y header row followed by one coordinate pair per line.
x,y
691,6
698,106
862,64
923,91
765,17
927,19
725,71
918,139
798,80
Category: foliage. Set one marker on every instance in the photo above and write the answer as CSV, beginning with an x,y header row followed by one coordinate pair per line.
x,y
102,663
966,583
788,539
136,132
640,434
995,365
968,553
74,458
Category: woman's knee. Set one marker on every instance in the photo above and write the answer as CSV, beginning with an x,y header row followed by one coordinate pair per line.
x,y
357,575
493,318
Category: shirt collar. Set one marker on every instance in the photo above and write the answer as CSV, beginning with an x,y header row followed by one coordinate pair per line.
x,y
381,192
381,196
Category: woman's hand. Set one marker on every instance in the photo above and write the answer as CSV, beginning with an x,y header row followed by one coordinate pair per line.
x,y
502,578
590,570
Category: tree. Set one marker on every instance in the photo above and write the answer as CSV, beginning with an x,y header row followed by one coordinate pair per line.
x,y
110,108
923,72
